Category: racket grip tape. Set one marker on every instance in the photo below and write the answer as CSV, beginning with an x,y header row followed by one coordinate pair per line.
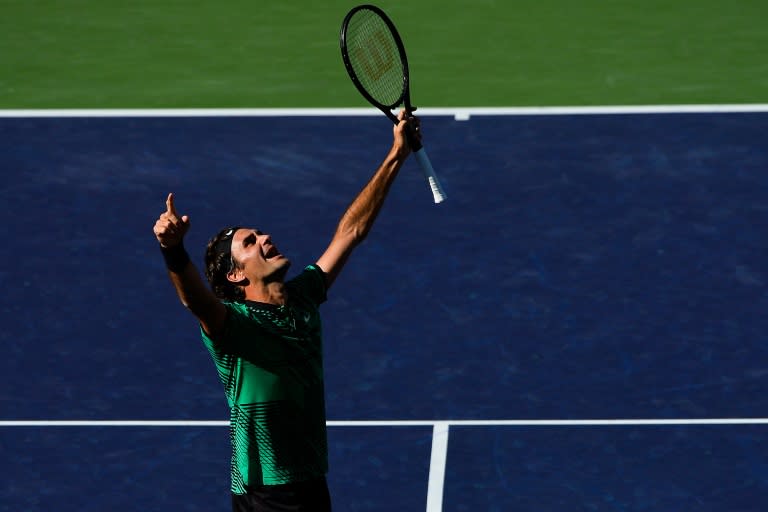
x,y
434,184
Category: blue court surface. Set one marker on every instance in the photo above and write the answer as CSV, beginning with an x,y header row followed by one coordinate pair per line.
x,y
580,326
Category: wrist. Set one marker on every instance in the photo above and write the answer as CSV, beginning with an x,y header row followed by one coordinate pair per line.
x,y
176,257
399,151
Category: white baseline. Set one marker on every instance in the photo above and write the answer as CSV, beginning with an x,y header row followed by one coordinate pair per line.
x,y
459,113
639,422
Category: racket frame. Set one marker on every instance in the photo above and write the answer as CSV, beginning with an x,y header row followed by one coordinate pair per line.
x,y
405,96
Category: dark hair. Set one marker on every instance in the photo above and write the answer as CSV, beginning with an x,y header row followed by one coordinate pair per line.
x,y
219,262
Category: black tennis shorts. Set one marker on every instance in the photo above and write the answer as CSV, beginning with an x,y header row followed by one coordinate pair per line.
x,y
309,496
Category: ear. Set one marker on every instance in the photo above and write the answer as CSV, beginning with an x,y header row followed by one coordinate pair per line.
x,y
236,276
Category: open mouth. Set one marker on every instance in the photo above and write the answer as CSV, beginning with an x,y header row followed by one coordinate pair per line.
x,y
271,252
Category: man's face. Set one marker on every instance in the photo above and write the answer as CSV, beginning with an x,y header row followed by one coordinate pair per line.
x,y
258,258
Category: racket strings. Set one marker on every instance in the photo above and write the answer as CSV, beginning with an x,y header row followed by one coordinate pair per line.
x,y
375,58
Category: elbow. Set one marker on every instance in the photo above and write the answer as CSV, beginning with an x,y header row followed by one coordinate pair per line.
x,y
359,235
188,302
352,235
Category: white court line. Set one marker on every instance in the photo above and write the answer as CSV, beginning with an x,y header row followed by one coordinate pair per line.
x,y
114,423
459,113
401,423
437,466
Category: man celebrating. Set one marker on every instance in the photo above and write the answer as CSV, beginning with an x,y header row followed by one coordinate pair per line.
x,y
264,335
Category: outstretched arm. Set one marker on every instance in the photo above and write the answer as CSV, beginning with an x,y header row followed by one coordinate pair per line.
x,y
193,293
359,217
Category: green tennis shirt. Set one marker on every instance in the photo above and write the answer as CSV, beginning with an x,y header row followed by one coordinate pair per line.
x,y
269,359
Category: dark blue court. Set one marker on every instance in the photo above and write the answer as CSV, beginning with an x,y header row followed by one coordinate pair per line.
x,y
583,267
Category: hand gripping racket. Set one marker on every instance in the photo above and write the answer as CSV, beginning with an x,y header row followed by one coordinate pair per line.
x,y
375,59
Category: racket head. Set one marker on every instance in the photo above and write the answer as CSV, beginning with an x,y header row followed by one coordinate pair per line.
x,y
375,58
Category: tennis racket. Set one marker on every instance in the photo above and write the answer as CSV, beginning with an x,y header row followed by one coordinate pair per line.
x,y
375,59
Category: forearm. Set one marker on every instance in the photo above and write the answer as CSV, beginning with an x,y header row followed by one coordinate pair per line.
x,y
359,217
191,289
193,293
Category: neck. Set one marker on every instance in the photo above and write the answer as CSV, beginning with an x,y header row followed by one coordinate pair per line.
x,y
269,293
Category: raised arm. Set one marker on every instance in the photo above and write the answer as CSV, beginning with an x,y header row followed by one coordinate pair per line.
x,y
359,217
193,292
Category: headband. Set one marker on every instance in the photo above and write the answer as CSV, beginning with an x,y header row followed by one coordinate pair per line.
x,y
224,246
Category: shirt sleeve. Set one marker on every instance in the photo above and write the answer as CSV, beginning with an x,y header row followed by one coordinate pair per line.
x,y
234,317
312,284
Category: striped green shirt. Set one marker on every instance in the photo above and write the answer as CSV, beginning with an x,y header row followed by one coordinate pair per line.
x,y
269,359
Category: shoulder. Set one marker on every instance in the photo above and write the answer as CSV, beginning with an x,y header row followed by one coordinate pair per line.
x,y
311,282
236,315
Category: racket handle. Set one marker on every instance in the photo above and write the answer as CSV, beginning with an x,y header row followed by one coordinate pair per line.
x,y
437,190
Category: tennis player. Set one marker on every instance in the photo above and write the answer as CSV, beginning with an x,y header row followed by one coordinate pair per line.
x,y
264,335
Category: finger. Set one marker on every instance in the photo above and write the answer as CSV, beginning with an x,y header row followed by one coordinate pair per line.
x,y
169,206
409,112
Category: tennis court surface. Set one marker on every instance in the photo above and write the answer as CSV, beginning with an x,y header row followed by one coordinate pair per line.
x,y
580,326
